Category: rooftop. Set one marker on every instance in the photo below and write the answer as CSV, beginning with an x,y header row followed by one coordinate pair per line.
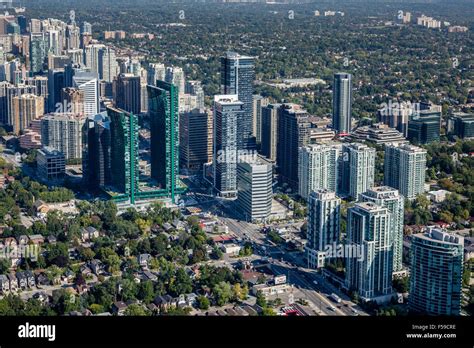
x,y
441,235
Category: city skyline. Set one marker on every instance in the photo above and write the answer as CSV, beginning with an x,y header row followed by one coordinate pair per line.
x,y
238,159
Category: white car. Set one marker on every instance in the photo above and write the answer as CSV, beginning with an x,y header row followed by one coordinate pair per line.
x,y
315,282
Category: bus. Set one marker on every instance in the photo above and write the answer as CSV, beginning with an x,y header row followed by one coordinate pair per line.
x,y
335,298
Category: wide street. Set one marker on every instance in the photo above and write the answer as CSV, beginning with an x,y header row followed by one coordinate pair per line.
x,y
291,263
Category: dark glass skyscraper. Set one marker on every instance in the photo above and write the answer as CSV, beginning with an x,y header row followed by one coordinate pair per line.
x,y
163,112
342,103
237,76
96,159
128,93
461,125
425,127
270,131
195,144
293,132
55,85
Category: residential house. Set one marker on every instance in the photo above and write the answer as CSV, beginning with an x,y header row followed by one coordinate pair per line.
x,y
144,259
168,227
22,280
231,312
174,302
97,267
132,302
88,233
81,288
241,312
85,270
73,253
30,279
163,302
37,239
13,282
68,276
191,299
118,308
178,224
150,276
22,240
152,308
10,250
251,311
42,279
11,243
4,284
181,301
41,208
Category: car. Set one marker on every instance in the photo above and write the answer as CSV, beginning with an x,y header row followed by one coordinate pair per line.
x,y
354,311
315,282
332,308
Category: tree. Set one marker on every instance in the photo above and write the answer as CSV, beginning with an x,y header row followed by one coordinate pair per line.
x,y
113,263
143,225
217,253
4,266
182,283
203,302
177,311
146,292
136,310
466,275
128,289
58,254
275,237
268,312
446,216
223,293
401,284
79,280
246,250
86,254
158,245
261,301
96,308
238,292
53,272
